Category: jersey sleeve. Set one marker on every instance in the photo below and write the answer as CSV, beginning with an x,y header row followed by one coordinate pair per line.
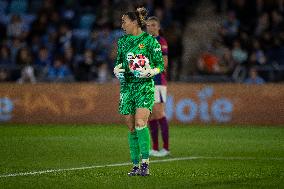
x,y
157,57
164,47
119,59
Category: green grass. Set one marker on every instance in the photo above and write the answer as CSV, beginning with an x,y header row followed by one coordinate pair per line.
x,y
257,157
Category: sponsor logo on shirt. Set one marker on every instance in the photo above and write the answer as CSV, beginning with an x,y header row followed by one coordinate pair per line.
x,y
157,49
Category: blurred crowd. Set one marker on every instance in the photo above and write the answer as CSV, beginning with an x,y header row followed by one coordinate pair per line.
x,y
250,42
71,40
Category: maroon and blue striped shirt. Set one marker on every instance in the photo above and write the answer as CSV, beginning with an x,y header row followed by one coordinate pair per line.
x,y
161,79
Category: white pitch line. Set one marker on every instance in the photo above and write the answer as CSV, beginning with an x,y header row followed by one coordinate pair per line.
x,y
124,164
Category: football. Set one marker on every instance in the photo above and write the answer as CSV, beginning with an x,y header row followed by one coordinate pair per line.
x,y
137,61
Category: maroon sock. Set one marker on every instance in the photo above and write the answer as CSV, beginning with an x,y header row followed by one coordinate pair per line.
x,y
154,127
165,131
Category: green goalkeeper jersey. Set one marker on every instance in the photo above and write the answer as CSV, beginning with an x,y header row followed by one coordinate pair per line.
x,y
131,48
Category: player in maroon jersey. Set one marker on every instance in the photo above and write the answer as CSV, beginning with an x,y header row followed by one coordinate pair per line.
x,y
158,117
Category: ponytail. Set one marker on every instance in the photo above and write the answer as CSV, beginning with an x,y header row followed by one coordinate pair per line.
x,y
139,15
142,14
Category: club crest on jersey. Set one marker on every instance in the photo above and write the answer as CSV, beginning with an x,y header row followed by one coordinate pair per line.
x,y
141,46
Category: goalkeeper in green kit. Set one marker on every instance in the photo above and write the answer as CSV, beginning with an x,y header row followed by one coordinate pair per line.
x,y
139,59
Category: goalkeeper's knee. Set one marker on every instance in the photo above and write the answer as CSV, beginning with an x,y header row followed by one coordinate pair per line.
x,y
140,123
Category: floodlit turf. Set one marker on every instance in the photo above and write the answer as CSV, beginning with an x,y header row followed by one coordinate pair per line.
x,y
222,157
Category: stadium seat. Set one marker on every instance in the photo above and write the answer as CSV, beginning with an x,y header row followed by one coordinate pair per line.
x,y
35,5
80,36
18,6
28,18
5,19
81,33
86,21
3,6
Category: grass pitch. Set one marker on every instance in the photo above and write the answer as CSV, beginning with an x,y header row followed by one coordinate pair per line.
x,y
91,156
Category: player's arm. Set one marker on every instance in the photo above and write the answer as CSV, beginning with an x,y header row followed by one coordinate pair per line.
x,y
118,55
164,47
165,58
118,71
157,56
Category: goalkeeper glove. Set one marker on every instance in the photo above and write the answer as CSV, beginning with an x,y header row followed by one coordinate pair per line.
x,y
119,73
146,72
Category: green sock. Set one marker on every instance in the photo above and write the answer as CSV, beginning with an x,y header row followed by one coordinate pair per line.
x,y
134,147
144,141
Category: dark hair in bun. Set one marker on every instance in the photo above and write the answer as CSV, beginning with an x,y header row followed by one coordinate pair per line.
x,y
140,15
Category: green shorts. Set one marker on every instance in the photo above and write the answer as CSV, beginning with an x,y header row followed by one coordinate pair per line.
x,y
136,95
